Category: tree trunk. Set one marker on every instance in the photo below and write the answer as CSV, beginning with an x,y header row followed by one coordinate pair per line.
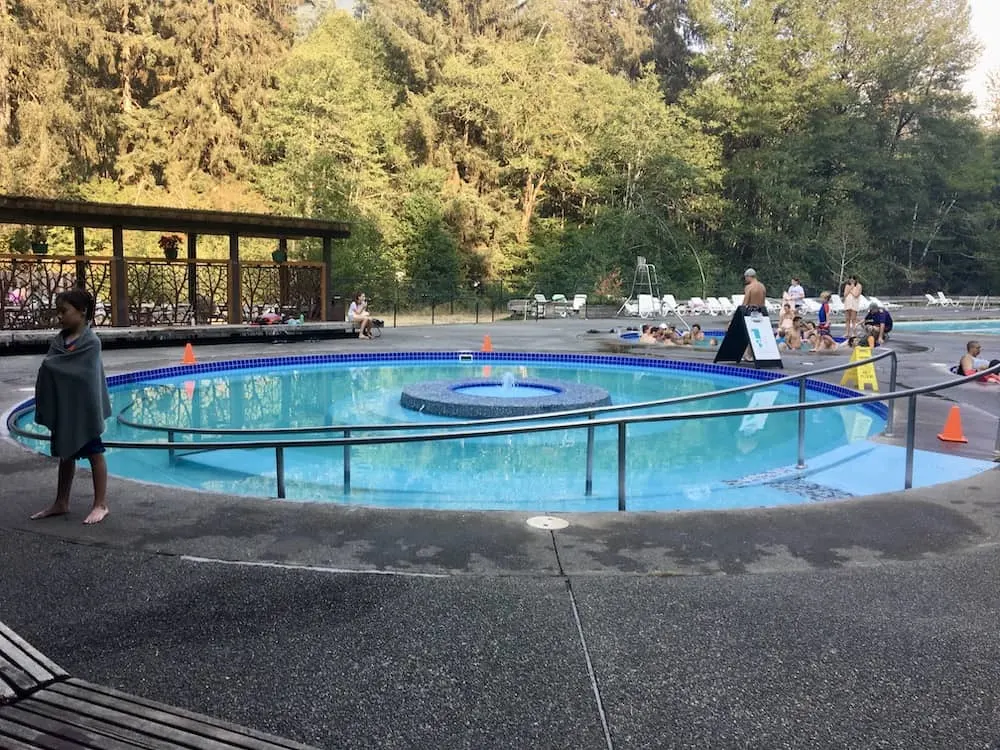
x,y
127,64
5,104
532,188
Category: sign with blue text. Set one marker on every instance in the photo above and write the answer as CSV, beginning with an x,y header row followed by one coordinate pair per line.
x,y
750,338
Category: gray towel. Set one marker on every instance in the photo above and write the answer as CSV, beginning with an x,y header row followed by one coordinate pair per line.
x,y
71,393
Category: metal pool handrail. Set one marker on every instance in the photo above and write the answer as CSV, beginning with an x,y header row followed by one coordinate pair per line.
x,y
347,429
590,424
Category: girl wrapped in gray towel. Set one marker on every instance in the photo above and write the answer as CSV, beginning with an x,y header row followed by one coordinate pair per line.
x,y
71,399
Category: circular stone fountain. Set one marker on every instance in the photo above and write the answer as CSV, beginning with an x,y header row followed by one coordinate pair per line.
x,y
485,398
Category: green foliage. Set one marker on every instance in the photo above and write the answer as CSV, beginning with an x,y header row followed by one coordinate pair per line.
x,y
432,261
543,143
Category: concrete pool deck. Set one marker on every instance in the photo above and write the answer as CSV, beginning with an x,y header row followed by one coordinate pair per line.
x,y
859,623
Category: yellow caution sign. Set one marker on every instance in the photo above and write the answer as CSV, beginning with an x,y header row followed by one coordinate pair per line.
x,y
861,376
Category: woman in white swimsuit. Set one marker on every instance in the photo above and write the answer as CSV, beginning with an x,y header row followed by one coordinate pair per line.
x,y
358,315
852,301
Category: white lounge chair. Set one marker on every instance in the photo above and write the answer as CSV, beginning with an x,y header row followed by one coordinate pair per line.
x,y
713,305
863,304
697,306
885,305
560,305
579,303
649,306
773,306
668,304
728,308
836,305
810,305
947,301
738,299
932,300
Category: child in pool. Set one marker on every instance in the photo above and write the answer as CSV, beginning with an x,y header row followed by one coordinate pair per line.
x,y
71,399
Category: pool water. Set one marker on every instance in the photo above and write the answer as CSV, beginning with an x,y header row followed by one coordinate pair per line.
x,y
505,391
982,327
700,463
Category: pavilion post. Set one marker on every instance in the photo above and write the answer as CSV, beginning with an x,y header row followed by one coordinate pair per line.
x,y
192,273
327,306
283,276
79,250
233,301
119,285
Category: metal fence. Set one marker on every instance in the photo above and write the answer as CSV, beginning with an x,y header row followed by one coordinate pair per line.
x,y
586,419
158,292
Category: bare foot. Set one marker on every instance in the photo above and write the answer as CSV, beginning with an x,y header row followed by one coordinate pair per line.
x,y
57,509
97,514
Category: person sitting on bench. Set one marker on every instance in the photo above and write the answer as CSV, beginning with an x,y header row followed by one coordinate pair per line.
x,y
359,316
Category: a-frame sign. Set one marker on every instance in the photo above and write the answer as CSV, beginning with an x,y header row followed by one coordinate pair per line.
x,y
750,333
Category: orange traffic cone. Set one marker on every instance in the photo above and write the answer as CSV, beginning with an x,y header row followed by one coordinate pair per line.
x,y
188,358
487,343
952,432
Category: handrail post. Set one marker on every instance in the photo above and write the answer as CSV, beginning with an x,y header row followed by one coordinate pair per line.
x,y
911,436
891,414
621,466
589,487
996,445
171,453
347,465
279,470
802,426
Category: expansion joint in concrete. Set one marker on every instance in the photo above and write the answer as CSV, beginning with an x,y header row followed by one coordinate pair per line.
x,y
598,698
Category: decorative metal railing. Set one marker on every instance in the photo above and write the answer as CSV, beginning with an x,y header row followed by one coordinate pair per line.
x,y
158,292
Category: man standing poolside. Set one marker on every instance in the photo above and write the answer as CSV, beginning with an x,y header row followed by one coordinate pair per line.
x,y
754,299
754,293
796,294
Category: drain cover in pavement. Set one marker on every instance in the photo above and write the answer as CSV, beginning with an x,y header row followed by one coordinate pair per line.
x,y
547,522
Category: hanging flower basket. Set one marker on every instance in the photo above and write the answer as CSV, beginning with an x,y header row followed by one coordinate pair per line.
x,y
279,256
40,248
170,244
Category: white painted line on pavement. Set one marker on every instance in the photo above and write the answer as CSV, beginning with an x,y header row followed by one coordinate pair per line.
x,y
312,568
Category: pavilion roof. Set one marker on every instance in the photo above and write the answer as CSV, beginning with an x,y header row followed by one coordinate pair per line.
x,y
16,209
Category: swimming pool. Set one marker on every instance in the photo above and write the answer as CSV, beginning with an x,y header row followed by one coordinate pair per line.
x,y
707,463
981,327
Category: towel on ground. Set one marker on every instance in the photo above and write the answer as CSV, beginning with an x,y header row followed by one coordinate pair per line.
x,y
71,393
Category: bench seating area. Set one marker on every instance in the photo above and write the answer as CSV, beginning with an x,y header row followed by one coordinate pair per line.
x,y
42,707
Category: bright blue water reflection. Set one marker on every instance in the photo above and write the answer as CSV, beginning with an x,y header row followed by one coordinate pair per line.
x,y
703,463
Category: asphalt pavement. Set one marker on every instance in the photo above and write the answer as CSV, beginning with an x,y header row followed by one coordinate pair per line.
x,y
865,623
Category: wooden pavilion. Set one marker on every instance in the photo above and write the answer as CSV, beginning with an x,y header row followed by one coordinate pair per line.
x,y
194,223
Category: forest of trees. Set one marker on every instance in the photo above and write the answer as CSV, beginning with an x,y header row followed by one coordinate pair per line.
x,y
543,142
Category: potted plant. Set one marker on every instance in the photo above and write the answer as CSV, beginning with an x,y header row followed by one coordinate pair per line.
x,y
39,241
170,244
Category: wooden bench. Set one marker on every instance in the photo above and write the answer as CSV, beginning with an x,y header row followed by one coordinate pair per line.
x,y
23,670
41,707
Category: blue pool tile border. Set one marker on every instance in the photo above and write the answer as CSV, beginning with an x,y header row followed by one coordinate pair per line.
x,y
817,386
